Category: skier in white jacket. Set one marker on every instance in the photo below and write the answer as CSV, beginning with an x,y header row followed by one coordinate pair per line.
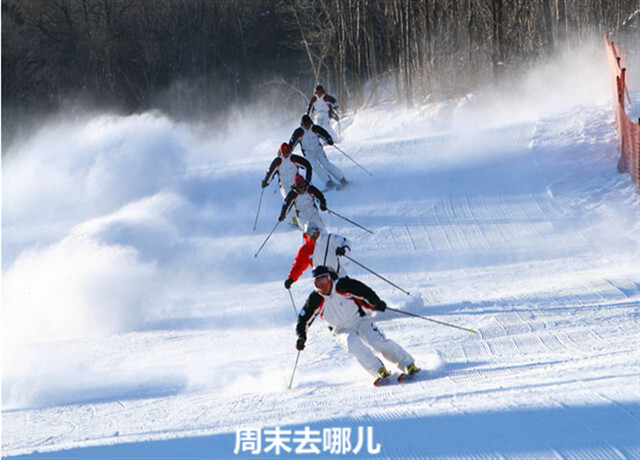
x,y
319,248
323,106
308,136
344,304
286,166
302,197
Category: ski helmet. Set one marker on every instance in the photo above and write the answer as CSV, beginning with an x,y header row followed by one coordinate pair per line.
x,y
306,119
285,149
299,183
323,270
319,88
311,228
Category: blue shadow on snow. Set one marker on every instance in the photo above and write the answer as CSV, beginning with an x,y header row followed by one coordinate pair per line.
x,y
567,431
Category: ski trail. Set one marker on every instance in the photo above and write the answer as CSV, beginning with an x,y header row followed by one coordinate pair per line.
x,y
494,236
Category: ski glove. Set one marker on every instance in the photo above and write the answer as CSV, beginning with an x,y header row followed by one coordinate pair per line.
x,y
281,217
323,206
380,306
330,141
288,282
342,250
265,183
300,342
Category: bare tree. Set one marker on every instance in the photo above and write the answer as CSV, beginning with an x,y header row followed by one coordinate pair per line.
x,y
202,56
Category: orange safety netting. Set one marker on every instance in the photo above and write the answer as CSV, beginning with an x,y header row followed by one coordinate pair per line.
x,y
628,131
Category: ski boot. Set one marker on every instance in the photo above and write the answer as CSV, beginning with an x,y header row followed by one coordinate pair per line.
x,y
330,185
383,377
410,371
343,183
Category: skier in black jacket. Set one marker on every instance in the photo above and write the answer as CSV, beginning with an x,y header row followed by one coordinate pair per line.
x,y
345,304
286,166
323,106
303,197
308,136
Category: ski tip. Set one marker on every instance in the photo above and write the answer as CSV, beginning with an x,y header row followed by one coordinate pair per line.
x,y
472,331
380,382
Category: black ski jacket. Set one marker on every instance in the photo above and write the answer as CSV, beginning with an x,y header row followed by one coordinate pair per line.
x,y
361,297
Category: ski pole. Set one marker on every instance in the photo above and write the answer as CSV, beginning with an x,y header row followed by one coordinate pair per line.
x,y
381,277
357,164
295,366
258,212
429,319
268,236
292,302
349,220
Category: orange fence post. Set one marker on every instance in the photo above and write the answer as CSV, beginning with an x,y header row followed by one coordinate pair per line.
x,y
628,131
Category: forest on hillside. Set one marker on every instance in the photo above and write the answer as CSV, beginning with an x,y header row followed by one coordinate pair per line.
x,y
193,58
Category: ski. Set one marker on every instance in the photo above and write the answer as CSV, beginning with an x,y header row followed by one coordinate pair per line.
x,y
382,381
404,377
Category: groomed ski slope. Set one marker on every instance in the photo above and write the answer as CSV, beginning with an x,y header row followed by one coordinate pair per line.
x,y
139,324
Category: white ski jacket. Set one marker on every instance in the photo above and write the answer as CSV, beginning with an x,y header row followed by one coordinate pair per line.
x,y
348,301
322,251
309,139
286,169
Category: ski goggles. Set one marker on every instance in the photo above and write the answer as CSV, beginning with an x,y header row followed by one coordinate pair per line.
x,y
322,281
